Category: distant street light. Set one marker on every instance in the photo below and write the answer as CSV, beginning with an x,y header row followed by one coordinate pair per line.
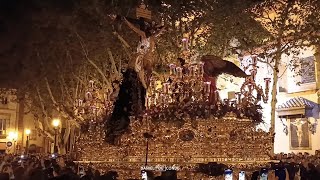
x,y
27,131
56,124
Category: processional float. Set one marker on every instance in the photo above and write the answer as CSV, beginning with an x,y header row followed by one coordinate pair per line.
x,y
185,125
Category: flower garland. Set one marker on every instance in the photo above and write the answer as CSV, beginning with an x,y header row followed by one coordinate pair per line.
x,y
179,112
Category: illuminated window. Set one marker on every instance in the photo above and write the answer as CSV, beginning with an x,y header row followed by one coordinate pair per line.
x,y
3,127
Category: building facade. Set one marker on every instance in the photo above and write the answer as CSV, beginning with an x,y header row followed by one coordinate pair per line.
x,y
298,99
14,121
296,126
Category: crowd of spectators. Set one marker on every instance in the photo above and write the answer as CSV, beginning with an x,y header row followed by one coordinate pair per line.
x,y
299,166
47,167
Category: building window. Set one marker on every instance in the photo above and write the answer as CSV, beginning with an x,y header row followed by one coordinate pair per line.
x,y
308,74
3,127
4,100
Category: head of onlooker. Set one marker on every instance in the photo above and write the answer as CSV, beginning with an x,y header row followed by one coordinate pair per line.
x,y
56,170
4,176
37,174
18,173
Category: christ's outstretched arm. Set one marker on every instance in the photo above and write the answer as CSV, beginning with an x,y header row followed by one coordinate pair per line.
x,y
141,33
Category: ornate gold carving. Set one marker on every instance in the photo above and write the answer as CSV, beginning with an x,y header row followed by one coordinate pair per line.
x,y
226,139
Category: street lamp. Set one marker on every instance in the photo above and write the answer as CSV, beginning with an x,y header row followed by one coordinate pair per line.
x,y
13,136
55,123
27,131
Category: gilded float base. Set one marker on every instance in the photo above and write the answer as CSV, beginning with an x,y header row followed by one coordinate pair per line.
x,y
228,140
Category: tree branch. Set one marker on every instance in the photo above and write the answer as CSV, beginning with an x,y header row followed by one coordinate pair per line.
x,y
92,63
47,124
284,71
124,42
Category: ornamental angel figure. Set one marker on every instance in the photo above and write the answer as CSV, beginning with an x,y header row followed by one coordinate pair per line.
x,y
215,66
131,97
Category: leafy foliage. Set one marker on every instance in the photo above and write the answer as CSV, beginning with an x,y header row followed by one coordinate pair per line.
x,y
65,44
178,114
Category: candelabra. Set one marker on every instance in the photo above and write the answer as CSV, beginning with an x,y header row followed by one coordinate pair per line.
x,y
184,86
184,94
95,105
251,93
92,108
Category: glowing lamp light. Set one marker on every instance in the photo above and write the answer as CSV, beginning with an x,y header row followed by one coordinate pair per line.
x,y
56,122
27,131
13,136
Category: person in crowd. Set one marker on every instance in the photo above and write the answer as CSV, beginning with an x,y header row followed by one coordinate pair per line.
x,y
312,173
291,168
272,175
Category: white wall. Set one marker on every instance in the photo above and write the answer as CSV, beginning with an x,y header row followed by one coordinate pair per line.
x,y
282,140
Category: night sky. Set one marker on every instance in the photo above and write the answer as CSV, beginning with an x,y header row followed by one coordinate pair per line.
x,y
13,26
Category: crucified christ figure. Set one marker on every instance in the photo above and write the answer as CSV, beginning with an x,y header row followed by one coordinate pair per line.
x,y
131,98
298,124
143,60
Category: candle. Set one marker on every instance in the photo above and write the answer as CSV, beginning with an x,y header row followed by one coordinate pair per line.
x,y
172,69
166,88
105,96
192,70
207,87
80,102
185,44
91,82
179,72
267,81
88,96
201,70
